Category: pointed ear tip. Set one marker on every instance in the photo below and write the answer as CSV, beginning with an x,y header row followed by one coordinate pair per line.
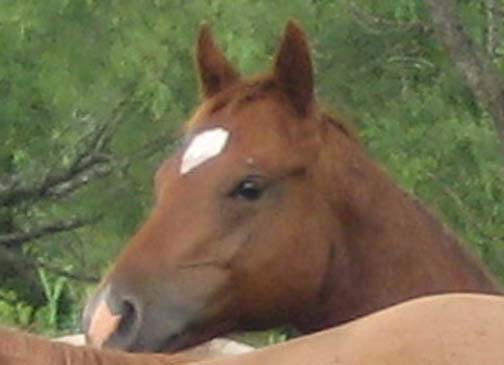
x,y
205,31
294,27
204,26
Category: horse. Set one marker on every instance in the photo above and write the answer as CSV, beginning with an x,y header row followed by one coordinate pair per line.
x,y
448,329
271,212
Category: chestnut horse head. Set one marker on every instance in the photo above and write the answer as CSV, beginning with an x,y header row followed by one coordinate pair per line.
x,y
254,217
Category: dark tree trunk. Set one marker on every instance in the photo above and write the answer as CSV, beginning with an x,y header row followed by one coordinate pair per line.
x,y
475,65
494,19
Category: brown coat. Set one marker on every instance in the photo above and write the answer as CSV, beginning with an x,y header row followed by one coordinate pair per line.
x,y
450,329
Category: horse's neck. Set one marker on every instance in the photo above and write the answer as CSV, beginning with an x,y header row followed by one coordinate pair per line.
x,y
393,248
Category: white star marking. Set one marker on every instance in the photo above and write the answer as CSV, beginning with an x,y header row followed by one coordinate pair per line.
x,y
204,146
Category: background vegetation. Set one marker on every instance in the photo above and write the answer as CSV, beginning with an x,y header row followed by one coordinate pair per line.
x,y
92,93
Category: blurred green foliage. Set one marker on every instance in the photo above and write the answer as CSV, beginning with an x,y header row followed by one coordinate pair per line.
x,y
67,67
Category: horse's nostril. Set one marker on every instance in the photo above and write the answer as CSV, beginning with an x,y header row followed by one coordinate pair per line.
x,y
129,317
113,321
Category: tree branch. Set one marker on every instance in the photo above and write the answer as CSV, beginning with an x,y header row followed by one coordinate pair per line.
x,y
91,162
15,192
65,188
21,237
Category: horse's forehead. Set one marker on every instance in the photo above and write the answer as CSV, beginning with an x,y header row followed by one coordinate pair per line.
x,y
249,130
244,111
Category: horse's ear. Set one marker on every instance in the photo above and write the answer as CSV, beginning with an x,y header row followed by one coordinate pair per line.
x,y
214,70
293,68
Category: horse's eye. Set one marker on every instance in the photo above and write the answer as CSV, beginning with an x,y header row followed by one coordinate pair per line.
x,y
249,189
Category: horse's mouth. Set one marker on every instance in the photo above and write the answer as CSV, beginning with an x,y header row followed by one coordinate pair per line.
x,y
191,338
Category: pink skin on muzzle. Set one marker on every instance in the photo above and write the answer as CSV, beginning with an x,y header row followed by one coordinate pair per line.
x,y
103,324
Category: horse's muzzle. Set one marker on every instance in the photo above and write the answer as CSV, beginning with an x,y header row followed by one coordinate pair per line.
x,y
111,321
